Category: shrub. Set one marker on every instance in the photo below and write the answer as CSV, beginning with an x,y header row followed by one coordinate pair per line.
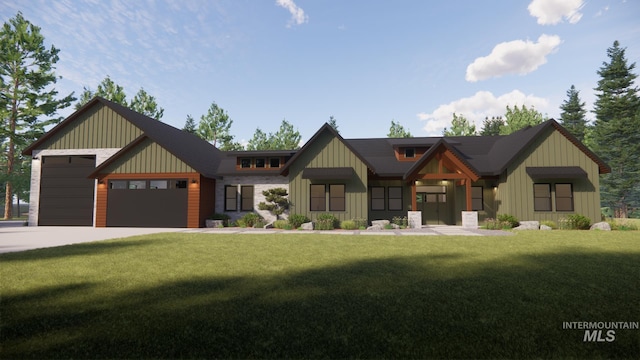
x,y
401,221
348,225
326,221
575,222
494,224
277,201
549,223
224,217
251,220
360,223
298,219
621,224
281,224
512,220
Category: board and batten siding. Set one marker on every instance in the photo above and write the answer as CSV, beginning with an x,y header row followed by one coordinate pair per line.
x,y
148,157
98,127
515,192
325,152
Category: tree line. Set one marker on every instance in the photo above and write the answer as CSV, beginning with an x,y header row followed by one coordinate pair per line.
x,y
29,103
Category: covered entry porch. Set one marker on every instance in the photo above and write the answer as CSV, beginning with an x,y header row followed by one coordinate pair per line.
x,y
441,186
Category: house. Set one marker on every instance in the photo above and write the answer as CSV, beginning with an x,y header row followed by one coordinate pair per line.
x,y
106,165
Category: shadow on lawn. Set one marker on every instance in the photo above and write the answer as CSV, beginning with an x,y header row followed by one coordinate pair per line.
x,y
419,307
80,249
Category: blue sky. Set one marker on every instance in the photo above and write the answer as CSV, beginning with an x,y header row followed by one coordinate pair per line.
x,y
365,62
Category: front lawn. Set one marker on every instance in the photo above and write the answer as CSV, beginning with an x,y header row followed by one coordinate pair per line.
x,y
309,296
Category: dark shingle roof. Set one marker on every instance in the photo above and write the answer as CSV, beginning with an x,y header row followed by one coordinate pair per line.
x,y
194,151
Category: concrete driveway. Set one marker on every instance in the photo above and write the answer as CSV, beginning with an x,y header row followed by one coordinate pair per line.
x,y
14,236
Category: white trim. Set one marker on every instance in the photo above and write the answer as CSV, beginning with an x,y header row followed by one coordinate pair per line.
x,y
36,172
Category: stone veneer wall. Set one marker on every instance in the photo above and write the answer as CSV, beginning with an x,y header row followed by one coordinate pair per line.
x,y
34,195
260,183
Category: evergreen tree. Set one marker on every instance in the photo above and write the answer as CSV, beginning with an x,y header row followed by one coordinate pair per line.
x,y
190,125
26,96
333,123
520,118
616,138
214,126
142,102
460,126
259,141
398,131
286,138
573,114
492,127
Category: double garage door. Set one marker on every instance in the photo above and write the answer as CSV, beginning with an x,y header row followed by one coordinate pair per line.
x,y
67,197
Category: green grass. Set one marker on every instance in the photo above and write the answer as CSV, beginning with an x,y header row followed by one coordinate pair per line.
x,y
318,296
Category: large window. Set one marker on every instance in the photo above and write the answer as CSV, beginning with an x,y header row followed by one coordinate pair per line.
x,y
247,198
230,198
542,197
395,198
337,197
377,198
318,198
564,197
477,202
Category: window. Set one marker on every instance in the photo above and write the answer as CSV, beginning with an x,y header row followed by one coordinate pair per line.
x,y
118,184
137,184
181,184
247,198
274,162
477,202
260,163
542,197
158,184
395,198
377,198
318,202
337,197
409,152
230,198
245,163
564,197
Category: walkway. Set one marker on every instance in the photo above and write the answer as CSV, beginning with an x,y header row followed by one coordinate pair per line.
x,y
14,236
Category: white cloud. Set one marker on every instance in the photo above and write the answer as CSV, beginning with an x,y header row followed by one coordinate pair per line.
x,y
551,12
298,16
513,57
477,107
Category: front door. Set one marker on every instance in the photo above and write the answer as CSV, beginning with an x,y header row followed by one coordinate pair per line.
x,y
433,203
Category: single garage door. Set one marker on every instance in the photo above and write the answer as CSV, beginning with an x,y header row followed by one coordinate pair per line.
x,y
66,192
147,203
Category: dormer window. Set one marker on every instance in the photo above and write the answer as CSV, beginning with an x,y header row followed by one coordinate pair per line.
x,y
245,163
274,162
409,152
260,163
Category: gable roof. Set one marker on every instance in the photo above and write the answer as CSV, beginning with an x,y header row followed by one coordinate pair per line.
x,y
325,128
194,151
442,143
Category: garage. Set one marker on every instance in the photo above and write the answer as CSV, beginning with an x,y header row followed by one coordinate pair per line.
x,y
66,191
147,203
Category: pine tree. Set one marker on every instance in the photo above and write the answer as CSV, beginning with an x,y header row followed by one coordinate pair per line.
x,y
26,96
517,119
214,126
333,123
398,131
492,127
460,126
190,125
573,114
615,135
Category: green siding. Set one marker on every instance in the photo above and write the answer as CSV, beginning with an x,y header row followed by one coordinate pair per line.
x,y
148,157
99,127
488,201
515,191
329,151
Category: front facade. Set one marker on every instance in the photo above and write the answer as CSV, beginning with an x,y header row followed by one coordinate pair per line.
x,y
106,165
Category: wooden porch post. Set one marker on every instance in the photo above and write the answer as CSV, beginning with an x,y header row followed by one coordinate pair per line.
x,y
467,183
